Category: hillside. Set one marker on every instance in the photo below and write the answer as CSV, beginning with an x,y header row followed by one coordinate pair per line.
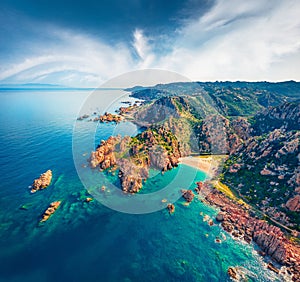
x,y
255,123
265,169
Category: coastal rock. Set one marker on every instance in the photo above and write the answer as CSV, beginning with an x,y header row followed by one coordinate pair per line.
x,y
171,208
108,117
232,273
42,182
104,156
155,148
188,195
50,210
220,217
272,267
199,186
271,240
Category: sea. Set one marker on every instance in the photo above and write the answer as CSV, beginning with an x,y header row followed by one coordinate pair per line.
x,y
93,241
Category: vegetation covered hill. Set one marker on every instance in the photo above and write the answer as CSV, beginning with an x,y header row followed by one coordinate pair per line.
x,y
257,124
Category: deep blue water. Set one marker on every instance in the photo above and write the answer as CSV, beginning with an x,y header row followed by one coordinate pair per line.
x,y
88,241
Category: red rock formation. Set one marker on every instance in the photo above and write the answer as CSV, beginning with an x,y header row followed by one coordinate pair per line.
x,y
42,182
232,273
108,117
171,208
188,195
50,210
273,242
104,156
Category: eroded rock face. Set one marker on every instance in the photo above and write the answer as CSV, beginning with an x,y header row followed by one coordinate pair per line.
x,y
42,182
104,156
132,176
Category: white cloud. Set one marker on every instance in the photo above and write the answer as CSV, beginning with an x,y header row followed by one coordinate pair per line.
x,y
143,49
92,59
234,40
239,40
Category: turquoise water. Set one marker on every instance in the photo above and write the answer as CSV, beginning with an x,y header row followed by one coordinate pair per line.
x,y
88,241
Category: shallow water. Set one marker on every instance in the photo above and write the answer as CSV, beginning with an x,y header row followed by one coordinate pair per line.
x,y
88,241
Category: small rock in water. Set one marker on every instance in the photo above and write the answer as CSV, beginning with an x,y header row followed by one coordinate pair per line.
x,y
171,208
188,195
42,182
232,272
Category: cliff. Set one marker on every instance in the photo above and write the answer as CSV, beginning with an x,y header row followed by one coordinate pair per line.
x,y
240,222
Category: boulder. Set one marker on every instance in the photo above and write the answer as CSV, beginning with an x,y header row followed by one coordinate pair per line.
x,y
220,217
232,273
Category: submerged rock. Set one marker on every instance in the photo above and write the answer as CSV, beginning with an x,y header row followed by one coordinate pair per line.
x,y
42,182
50,210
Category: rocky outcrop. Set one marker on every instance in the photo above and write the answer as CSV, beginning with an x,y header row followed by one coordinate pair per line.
x,y
188,195
108,117
155,148
42,182
132,175
232,273
171,208
220,217
160,110
104,156
50,210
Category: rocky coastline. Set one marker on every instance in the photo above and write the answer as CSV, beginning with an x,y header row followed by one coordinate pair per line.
x,y
241,223
154,148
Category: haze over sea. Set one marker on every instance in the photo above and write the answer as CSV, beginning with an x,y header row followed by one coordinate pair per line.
x,y
88,241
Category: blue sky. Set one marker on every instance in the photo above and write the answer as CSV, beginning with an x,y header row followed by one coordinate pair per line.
x,y
84,43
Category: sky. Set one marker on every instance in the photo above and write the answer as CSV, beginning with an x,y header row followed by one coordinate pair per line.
x,y
85,43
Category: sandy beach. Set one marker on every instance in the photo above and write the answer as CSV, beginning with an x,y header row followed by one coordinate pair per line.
x,y
202,163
